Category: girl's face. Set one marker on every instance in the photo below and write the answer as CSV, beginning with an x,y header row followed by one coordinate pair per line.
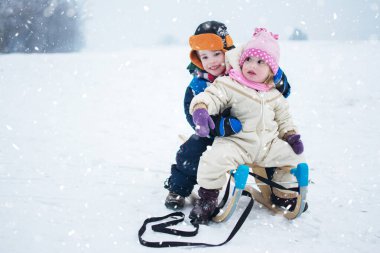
x,y
255,69
212,61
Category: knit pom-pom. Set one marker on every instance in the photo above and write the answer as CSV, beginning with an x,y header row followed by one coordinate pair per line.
x,y
260,30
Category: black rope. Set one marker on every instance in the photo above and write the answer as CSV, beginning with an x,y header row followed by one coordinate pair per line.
x,y
271,183
163,229
179,217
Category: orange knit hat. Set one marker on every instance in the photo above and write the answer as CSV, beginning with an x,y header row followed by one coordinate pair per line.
x,y
210,35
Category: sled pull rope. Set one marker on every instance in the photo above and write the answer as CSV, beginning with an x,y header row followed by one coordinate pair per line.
x,y
180,216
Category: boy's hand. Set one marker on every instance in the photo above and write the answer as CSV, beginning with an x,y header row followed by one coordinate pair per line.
x,y
203,122
295,142
225,126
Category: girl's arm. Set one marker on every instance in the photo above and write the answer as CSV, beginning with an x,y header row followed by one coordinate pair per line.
x,y
215,98
283,118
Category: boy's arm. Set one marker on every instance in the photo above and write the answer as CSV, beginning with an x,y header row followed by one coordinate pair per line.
x,y
196,86
225,124
281,83
287,130
189,95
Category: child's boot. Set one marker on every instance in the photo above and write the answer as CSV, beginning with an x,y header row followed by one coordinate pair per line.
x,y
284,198
205,207
287,203
174,201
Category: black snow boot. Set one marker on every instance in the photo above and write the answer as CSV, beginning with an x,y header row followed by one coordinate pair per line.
x,y
174,201
289,204
204,207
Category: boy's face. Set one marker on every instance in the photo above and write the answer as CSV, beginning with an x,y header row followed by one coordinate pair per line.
x,y
255,69
212,61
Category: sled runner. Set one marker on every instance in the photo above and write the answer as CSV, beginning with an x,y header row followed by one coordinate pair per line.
x,y
240,177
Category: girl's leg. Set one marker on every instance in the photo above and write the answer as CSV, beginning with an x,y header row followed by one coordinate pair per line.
x,y
224,155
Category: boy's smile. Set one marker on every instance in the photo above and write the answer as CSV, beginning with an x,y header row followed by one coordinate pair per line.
x,y
212,61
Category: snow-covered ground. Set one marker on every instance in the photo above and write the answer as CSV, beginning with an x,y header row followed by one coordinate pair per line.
x,y
86,142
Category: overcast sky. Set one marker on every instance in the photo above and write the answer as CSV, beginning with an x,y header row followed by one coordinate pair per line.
x,y
115,24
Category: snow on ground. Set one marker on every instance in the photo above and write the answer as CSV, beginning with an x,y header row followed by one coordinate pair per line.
x,y
86,142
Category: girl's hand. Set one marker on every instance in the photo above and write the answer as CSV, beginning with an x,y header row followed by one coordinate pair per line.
x,y
203,122
295,142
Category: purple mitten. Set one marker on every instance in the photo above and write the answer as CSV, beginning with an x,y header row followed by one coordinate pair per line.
x,y
295,142
203,122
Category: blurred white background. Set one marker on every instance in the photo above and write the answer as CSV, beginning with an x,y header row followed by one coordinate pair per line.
x,y
116,24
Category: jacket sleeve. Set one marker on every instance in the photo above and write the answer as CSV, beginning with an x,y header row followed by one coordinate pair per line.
x,y
189,95
283,117
215,97
225,124
283,86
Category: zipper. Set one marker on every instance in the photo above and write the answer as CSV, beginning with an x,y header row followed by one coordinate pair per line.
x,y
259,133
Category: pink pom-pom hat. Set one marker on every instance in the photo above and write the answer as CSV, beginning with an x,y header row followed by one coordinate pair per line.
x,y
263,45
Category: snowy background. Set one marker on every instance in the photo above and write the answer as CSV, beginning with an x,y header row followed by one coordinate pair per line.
x,y
149,23
87,140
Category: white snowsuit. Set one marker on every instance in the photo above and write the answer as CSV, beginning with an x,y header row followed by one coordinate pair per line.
x,y
265,119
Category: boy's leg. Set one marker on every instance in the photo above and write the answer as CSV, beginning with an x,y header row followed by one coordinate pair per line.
x,y
184,172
